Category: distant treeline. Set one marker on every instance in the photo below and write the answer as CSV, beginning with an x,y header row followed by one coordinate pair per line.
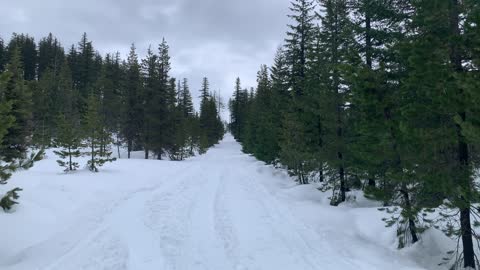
x,y
137,100
83,103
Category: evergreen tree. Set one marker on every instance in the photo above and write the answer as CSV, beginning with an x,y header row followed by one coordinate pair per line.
x,y
280,100
3,55
85,57
210,123
25,48
186,121
266,147
16,92
161,119
67,135
51,55
151,81
95,134
69,139
299,42
113,96
9,165
133,109
174,144
298,46
7,121
46,108
337,43
435,83
238,111
185,100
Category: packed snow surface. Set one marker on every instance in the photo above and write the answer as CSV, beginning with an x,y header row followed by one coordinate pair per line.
x,y
223,210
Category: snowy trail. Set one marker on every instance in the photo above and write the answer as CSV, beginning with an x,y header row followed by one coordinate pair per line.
x,y
219,211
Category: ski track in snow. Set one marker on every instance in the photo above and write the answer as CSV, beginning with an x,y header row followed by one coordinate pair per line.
x,y
210,212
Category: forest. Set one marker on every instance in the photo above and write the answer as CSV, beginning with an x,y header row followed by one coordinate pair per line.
x,y
83,104
381,96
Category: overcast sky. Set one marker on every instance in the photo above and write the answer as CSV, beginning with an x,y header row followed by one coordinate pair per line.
x,y
220,39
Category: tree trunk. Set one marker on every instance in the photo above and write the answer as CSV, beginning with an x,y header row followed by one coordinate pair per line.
x,y
466,230
463,153
118,151
70,158
371,182
93,158
411,221
129,146
343,188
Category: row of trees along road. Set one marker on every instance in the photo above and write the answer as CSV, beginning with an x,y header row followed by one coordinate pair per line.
x,y
379,95
84,104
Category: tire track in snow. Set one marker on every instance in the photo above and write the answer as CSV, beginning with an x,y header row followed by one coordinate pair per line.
x,y
104,251
275,225
169,216
89,220
224,226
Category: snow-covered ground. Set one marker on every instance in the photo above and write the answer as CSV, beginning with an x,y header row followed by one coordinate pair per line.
x,y
223,210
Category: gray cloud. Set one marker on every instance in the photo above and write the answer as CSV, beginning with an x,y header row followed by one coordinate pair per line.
x,y
220,39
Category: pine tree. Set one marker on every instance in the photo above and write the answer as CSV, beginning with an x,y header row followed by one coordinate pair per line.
x,y
266,147
210,124
281,98
113,97
298,46
209,117
83,70
7,122
174,142
69,139
378,151
3,55
251,126
205,90
67,123
151,81
24,48
238,107
299,42
45,114
186,122
337,43
95,134
161,119
185,100
378,29
51,55
133,109
435,84
16,141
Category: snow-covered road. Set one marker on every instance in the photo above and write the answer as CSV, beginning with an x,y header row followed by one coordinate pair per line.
x,y
220,211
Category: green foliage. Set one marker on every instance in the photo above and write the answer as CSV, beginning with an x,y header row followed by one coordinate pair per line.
x,y
97,137
69,139
184,143
384,93
10,199
132,123
15,91
211,126
76,98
